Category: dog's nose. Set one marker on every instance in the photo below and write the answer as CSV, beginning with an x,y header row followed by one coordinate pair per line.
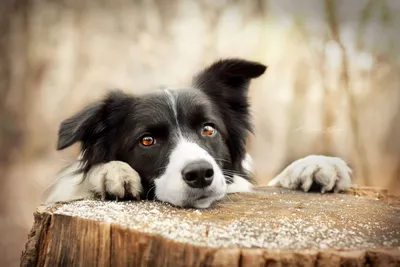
x,y
198,174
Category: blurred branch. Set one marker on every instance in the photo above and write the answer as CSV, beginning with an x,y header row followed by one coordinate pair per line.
x,y
385,15
328,110
345,82
301,83
213,12
325,144
365,17
5,75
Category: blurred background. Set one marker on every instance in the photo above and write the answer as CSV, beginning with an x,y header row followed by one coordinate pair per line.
x,y
332,86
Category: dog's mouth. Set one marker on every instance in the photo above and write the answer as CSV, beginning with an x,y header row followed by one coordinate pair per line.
x,y
179,194
203,201
199,202
205,196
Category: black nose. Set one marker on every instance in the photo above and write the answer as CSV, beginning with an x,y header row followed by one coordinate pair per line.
x,y
198,174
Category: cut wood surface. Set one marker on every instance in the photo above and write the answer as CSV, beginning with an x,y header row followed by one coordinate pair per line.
x,y
272,227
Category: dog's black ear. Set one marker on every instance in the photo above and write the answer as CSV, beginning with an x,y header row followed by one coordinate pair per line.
x,y
92,121
232,73
226,82
74,128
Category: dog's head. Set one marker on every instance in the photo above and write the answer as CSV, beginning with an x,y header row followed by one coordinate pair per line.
x,y
185,144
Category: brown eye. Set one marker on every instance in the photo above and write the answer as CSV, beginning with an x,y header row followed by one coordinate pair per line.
x,y
208,130
147,140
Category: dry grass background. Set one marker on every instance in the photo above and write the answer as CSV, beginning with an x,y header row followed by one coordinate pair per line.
x,y
332,86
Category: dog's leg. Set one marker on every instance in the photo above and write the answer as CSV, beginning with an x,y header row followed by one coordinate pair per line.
x,y
330,173
115,178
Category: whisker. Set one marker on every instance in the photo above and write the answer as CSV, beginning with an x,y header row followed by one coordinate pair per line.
x,y
151,188
161,168
229,170
236,173
221,159
230,199
237,194
157,199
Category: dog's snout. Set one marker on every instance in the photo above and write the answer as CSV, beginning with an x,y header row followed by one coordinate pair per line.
x,y
198,174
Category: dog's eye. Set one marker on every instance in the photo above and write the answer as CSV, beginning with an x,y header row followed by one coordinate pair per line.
x,y
209,130
147,140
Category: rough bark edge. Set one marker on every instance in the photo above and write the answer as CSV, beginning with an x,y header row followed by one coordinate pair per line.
x,y
36,240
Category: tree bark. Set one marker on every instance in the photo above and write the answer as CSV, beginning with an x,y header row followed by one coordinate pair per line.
x,y
272,227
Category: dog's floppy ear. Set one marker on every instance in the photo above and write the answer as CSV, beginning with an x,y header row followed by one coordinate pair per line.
x,y
74,128
92,121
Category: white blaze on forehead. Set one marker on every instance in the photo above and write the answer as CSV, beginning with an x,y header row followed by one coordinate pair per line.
x,y
171,96
172,101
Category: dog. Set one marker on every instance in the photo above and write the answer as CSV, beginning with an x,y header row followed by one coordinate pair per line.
x,y
186,147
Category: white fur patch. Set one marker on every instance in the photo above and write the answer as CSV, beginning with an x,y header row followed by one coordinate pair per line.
x,y
329,172
247,163
239,185
172,102
67,186
113,177
170,186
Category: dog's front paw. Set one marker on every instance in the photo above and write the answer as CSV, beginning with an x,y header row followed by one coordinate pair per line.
x,y
330,173
115,178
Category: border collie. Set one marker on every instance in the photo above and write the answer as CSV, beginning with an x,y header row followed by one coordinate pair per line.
x,y
186,147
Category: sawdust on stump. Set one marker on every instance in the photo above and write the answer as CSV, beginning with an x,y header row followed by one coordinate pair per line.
x,y
272,226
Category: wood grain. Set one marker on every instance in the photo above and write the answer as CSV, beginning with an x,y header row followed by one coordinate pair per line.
x,y
144,233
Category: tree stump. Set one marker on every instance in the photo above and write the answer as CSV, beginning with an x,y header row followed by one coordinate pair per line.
x,y
272,227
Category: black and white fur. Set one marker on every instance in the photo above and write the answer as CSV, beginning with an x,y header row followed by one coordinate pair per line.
x,y
113,162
